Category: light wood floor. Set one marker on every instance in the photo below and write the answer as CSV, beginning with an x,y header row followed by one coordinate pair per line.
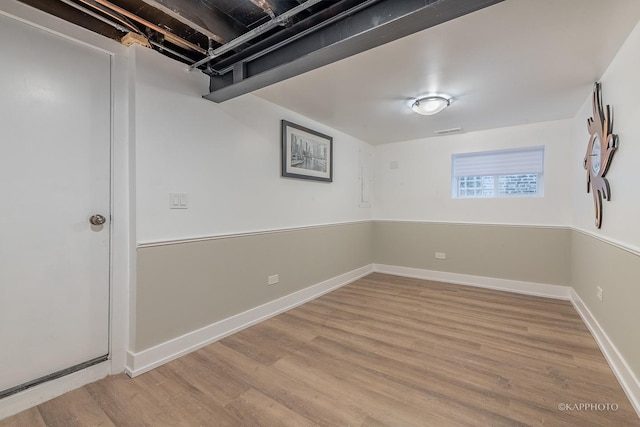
x,y
382,351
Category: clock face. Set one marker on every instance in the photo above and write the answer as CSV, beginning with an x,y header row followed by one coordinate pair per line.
x,y
596,152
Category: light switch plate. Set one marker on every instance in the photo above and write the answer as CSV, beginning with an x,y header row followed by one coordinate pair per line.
x,y
178,201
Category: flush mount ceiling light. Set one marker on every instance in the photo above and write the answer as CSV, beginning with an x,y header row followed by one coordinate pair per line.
x,y
430,105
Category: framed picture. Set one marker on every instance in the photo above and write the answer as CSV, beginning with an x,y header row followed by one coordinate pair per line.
x,y
306,154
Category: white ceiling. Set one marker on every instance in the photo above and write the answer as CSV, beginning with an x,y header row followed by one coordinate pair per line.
x,y
517,62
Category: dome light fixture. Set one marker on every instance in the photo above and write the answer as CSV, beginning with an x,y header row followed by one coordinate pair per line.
x,y
430,105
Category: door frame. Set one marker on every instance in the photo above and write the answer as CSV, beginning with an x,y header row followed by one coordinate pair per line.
x,y
122,240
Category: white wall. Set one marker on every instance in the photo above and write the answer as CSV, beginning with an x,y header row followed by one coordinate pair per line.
x,y
609,257
620,89
227,158
420,188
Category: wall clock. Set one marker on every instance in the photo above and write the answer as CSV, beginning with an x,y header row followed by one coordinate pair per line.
x,y
600,149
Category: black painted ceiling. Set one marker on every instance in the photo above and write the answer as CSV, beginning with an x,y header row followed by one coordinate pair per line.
x,y
247,44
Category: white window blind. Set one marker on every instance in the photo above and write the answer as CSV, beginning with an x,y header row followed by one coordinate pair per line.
x,y
503,162
517,172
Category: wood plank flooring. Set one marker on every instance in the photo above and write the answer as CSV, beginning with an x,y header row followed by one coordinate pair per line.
x,y
382,351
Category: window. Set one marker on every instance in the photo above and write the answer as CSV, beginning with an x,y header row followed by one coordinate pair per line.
x,y
503,173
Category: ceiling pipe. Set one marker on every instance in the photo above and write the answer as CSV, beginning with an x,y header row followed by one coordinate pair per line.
x,y
121,28
111,14
171,51
168,35
97,16
279,20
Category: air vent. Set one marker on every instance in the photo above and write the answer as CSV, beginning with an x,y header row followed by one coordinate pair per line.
x,y
448,131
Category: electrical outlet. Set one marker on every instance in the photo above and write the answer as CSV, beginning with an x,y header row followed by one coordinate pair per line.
x,y
272,280
599,293
441,255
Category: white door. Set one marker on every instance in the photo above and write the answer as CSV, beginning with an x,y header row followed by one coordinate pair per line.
x,y
55,106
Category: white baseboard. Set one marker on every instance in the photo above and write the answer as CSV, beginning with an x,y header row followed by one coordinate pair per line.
x,y
141,362
31,397
528,288
629,382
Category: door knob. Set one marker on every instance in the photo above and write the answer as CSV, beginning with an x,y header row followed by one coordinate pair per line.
x,y
97,220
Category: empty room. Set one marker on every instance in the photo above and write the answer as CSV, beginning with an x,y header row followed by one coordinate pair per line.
x,y
305,212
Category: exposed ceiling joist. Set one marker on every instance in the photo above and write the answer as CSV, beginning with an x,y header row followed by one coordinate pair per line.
x,y
369,24
208,20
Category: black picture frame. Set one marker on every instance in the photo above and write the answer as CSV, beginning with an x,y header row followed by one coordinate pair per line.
x,y
306,153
